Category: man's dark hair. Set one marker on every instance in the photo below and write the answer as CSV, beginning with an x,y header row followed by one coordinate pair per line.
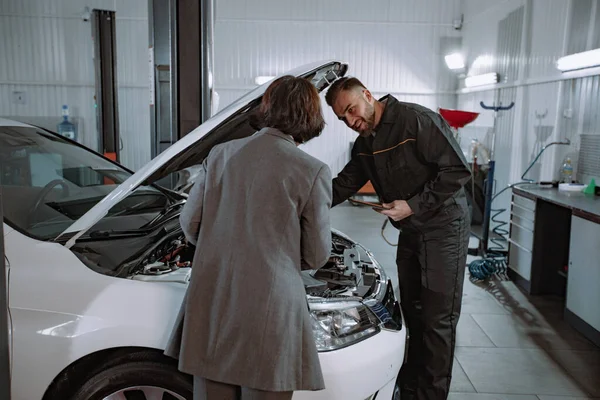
x,y
293,106
339,85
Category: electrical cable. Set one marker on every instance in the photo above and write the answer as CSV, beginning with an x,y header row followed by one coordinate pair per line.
x,y
383,234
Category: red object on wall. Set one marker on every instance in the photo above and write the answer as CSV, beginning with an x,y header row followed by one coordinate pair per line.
x,y
457,118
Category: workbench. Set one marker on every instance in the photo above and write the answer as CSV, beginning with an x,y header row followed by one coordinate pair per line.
x,y
554,249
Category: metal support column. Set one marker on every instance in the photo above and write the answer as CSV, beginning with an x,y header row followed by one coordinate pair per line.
x,y
4,321
181,65
195,62
207,18
163,74
107,105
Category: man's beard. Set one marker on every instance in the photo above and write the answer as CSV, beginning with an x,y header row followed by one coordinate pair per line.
x,y
369,121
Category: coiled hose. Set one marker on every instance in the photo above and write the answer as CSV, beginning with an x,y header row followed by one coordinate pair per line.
x,y
495,262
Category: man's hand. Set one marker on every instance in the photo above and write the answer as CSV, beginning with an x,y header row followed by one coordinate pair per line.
x,y
397,210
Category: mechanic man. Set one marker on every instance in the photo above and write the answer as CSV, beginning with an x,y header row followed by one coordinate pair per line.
x,y
418,170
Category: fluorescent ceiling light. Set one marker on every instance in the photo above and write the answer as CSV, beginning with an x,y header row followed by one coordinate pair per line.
x,y
260,80
586,59
455,61
480,80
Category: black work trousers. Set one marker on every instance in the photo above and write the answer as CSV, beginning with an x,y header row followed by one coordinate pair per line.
x,y
431,270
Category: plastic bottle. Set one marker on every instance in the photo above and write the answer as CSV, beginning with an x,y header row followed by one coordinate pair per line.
x,y
567,171
66,128
474,149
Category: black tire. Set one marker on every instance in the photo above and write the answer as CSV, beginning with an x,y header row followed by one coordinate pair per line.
x,y
136,374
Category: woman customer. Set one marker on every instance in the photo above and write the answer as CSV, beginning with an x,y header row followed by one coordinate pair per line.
x,y
258,213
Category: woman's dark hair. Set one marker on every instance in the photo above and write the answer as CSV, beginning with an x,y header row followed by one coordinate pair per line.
x,y
291,105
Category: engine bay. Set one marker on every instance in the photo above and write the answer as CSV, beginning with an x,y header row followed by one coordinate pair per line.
x,y
162,254
349,272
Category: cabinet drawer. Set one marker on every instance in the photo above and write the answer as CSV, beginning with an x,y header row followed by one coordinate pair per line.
x,y
524,202
522,222
523,212
521,235
519,260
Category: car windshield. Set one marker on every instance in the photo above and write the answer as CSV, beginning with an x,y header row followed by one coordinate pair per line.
x,y
49,182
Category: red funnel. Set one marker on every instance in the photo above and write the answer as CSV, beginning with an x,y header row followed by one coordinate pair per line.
x,y
458,119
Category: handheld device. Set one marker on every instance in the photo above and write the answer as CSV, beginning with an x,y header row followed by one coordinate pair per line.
x,y
376,206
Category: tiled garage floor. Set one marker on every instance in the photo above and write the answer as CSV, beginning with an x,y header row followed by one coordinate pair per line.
x,y
510,346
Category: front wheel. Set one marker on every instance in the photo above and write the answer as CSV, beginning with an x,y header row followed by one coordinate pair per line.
x,y
140,380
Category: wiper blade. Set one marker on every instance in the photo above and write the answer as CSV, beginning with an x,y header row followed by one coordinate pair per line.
x,y
100,234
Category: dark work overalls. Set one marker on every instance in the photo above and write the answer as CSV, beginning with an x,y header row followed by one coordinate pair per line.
x,y
414,157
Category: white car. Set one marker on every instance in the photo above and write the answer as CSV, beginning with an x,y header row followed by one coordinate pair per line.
x,y
97,269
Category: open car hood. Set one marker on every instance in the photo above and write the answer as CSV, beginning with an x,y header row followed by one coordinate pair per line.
x,y
230,123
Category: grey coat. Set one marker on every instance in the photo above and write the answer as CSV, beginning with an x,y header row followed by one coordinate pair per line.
x,y
259,213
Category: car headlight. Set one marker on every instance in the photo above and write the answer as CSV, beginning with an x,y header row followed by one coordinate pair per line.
x,y
339,324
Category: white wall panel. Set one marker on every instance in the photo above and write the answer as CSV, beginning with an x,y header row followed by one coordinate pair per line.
x,y
474,9
134,127
132,9
74,8
316,9
30,7
49,50
540,129
591,117
480,34
391,46
46,51
380,57
425,11
407,11
132,53
57,8
134,93
547,36
596,34
580,14
40,98
479,128
479,46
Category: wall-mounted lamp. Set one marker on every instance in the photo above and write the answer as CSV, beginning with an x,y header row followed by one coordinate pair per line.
x,y
480,80
455,61
586,59
260,80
